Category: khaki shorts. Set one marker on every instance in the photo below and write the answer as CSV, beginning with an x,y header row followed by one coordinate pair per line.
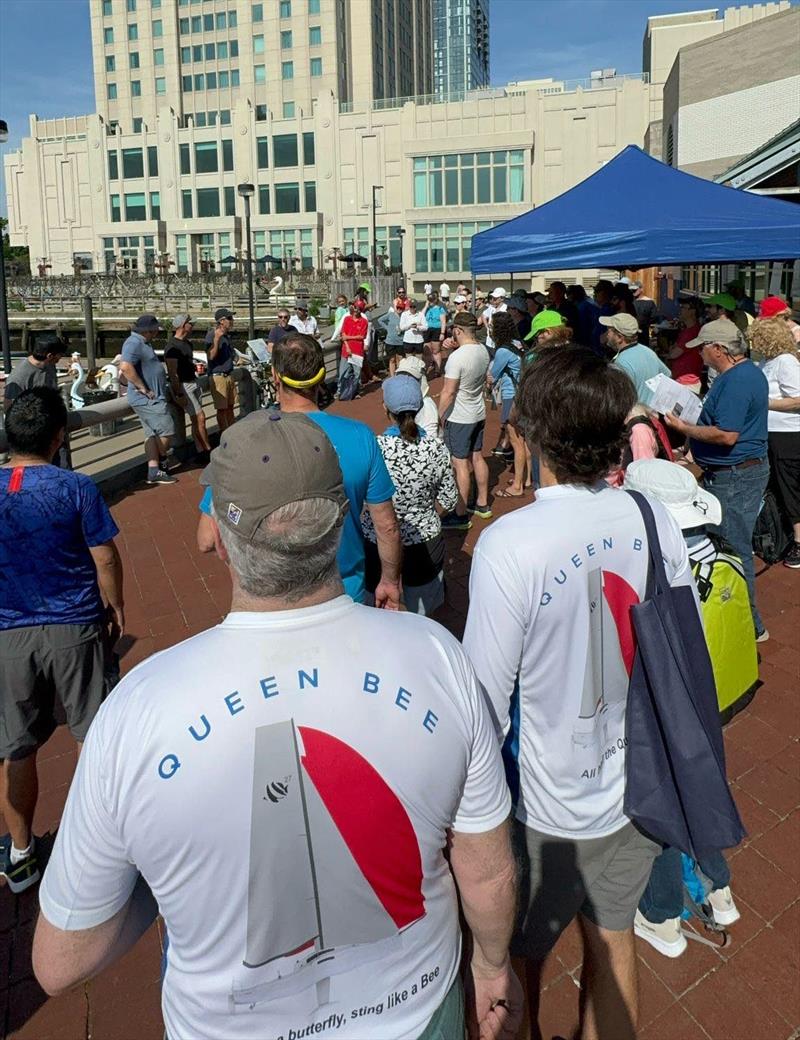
x,y
223,392
601,878
38,665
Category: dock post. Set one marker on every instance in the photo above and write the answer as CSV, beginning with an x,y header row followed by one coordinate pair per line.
x,y
88,320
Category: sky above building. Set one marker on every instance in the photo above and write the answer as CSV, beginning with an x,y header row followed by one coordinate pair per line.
x,y
46,54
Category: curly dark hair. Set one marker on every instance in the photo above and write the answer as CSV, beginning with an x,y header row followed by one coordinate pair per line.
x,y
504,329
572,407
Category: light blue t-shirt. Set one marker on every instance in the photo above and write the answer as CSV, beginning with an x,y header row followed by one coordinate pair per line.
x,y
506,367
433,316
138,352
366,481
641,363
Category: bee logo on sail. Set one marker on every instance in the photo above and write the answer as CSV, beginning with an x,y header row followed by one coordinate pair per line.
x,y
277,789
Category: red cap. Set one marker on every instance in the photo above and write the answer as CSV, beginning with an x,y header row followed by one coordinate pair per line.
x,y
772,306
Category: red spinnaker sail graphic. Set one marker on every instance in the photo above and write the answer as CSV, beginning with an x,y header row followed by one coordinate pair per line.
x,y
620,598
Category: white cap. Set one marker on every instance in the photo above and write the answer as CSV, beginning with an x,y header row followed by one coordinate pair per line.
x,y
460,298
499,292
414,366
677,489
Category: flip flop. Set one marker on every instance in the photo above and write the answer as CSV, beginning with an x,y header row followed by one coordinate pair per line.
x,y
505,493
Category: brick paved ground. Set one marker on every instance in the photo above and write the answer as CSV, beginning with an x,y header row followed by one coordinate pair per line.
x,y
750,991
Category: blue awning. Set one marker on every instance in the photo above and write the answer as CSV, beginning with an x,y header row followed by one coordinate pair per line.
x,y
638,212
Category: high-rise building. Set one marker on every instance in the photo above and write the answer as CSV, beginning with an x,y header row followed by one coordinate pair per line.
x,y
460,45
198,59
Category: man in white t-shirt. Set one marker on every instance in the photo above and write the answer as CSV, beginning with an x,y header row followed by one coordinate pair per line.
x,y
462,414
549,633
302,320
497,302
285,785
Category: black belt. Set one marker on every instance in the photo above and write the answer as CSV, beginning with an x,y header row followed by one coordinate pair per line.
x,y
707,468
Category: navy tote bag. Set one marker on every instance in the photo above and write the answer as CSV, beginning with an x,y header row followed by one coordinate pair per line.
x,y
676,789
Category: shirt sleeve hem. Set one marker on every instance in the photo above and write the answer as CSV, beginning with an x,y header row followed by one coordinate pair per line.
x,y
481,824
77,920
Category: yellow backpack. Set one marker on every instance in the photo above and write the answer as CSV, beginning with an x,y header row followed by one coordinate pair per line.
x,y
729,630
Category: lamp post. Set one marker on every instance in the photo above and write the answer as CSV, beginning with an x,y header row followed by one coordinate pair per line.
x,y
400,233
375,189
247,191
5,337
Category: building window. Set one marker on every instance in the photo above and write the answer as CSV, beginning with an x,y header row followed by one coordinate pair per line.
x,y
234,48
133,31
182,250
135,208
286,40
197,23
155,205
155,4
185,157
308,149
138,123
212,118
234,77
315,36
106,8
211,81
200,81
316,66
158,28
225,117
222,20
113,166
111,91
186,203
108,35
111,63
287,198
287,70
152,160
186,55
223,78
260,73
285,8
158,56
484,178
208,23
232,20
197,52
288,110
262,153
183,27
208,202
186,84
210,51
261,113
132,162
263,198
284,150
313,6
230,201
446,247
136,88
222,51
310,189
133,59
130,6
116,215
205,159
199,119
258,45
257,12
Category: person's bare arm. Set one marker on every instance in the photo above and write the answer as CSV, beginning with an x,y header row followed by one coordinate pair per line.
x,y
132,376
707,434
109,577
484,869
62,959
784,404
390,551
447,397
206,534
172,372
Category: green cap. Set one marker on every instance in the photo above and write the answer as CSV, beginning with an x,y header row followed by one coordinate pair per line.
x,y
722,299
544,320
366,285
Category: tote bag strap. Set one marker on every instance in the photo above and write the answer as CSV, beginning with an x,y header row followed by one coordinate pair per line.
x,y
657,576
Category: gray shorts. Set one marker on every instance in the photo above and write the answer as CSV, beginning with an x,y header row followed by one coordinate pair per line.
x,y
463,439
601,878
194,398
38,665
155,418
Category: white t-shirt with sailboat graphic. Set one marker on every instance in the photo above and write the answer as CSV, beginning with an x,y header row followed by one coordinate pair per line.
x,y
284,783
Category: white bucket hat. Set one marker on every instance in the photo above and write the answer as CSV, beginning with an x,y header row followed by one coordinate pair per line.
x,y
415,366
498,292
676,488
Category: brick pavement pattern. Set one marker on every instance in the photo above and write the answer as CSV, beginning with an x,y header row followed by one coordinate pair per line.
x,y
749,991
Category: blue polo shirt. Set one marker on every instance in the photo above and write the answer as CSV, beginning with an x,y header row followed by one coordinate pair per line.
x,y
366,482
737,401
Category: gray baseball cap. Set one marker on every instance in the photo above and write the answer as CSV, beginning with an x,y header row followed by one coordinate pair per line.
x,y
180,319
266,461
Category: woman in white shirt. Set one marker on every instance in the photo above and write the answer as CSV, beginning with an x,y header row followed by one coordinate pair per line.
x,y
774,347
413,325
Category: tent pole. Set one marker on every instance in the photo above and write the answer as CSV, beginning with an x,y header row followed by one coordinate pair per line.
x,y
474,291
511,276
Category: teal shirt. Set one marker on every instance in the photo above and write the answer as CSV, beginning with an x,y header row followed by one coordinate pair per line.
x,y
640,363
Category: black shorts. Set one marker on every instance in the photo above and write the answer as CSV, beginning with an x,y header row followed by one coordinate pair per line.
x,y
463,439
414,348
784,471
39,664
398,349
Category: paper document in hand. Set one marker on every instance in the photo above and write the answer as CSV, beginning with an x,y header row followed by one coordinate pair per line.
x,y
260,349
669,396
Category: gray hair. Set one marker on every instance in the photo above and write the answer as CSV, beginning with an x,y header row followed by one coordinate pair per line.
x,y
739,348
292,555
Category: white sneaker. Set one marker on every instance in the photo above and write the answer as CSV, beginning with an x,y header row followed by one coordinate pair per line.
x,y
666,937
723,906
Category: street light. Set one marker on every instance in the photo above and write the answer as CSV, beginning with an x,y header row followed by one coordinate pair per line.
x,y
400,232
247,191
5,337
375,188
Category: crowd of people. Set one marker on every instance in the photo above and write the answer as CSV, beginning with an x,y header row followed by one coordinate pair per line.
x,y
377,789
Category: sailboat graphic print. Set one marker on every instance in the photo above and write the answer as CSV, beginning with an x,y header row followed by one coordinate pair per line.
x,y
334,860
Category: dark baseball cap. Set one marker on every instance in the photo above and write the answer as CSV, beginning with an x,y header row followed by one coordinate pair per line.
x,y
267,460
146,323
222,312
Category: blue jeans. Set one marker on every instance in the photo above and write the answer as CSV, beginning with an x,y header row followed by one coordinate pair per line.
x,y
662,900
741,492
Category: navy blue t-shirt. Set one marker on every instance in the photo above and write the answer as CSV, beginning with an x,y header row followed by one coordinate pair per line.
x,y
737,401
49,518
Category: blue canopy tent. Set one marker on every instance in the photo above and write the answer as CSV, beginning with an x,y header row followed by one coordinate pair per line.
x,y
637,212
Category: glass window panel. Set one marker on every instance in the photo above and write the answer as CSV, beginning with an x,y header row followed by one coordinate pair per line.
x,y
453,255
420,163
311,196
155,205
483,158
210,51
515,157
484,186
435,188
158,56
316,67
111,63
187,83
287,70
138,123
262,153
132,162
499,177
208,202
135,208
287,198
200,81
437,257
420,189
232,19
517,176
230,201
212,118
257,12
313,6
130,6
106,8
155,4
158,28
111,91
183,26
221,20
308,149
152,160
286,39
468,159
223,78
468,187
208,22
258,45
211,81
108,35
133,31
197,52
133,59
466,253
136,88
185,158
421,261
222,50
263,198
186,54
315,36
205,157
260,73
451,188
227,156
499,157
450,161
435,162
199,119
113,166
186,200
234,77
288,110
234,46
285,8
225,117
284,150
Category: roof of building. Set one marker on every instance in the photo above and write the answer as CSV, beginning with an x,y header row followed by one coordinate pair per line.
x,y
769,158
